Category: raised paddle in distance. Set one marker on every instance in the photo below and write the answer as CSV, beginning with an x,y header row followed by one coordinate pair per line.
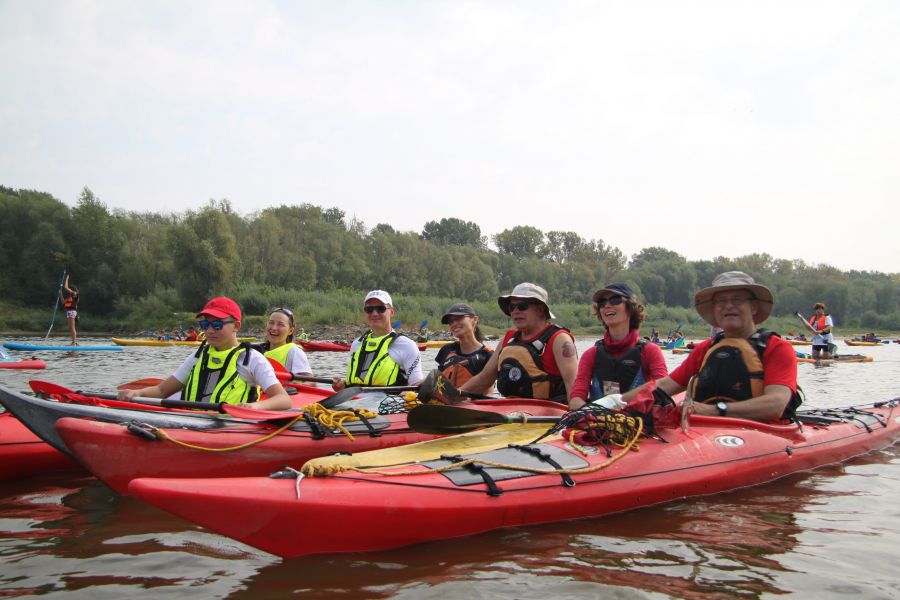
x,y
443,419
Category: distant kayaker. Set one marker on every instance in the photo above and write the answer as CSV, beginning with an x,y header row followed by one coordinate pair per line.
x,y
536,359
743,372
279,345
381,356
222,369
191,335
820,325
465,357
621,360
70,297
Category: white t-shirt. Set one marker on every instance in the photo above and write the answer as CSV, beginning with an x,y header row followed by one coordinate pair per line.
x,y
821,340
257,371
405,353
297,362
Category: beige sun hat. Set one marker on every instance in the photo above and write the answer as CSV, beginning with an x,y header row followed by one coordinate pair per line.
x,y
526,290
734,280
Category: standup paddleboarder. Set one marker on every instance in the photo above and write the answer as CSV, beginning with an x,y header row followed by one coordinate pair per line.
x,y
69,296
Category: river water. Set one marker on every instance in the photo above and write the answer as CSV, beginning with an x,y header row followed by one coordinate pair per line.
x,y
830,532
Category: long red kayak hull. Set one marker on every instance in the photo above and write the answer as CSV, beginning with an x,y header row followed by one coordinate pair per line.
x,y
362,512
324,346
116,456
22,453
32,363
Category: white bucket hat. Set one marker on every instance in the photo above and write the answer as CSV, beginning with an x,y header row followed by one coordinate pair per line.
x,y
734,280
526,290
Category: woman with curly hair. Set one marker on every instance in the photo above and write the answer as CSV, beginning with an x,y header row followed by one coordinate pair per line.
x,y
621,360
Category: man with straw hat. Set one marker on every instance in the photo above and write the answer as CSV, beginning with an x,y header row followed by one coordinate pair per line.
x,y
743,371
536,359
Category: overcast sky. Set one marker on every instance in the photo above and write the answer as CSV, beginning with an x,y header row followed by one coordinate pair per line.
x,y
709,128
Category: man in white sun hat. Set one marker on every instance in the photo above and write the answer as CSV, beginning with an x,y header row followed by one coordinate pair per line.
x,y
536,359
743,371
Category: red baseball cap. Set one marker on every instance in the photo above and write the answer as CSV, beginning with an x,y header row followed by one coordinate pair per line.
x,y
222,308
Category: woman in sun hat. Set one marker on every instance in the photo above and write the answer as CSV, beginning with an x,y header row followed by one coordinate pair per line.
x,y
535,359
743,371
621,360
381,356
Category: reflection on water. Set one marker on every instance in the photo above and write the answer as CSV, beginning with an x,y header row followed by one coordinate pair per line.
x,y
828,532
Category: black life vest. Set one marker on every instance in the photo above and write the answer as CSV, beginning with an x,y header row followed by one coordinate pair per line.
x,y
732,370
459,367
616,375
521,369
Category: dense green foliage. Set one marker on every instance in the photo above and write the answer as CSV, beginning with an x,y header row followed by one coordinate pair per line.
x,y
133,267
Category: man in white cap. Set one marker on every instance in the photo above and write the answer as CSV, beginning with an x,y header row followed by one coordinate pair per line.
x,y
381,357
536,359
743,371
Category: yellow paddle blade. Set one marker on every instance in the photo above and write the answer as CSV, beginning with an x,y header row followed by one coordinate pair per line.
x,y
473,442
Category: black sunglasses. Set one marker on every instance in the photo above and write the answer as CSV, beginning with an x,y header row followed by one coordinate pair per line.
x,y
519,305
217,325
285,311
611,300
379,308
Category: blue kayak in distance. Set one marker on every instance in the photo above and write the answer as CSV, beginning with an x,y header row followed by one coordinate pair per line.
x,y
33,347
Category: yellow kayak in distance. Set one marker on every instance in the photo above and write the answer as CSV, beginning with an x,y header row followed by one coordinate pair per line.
x,y
153,342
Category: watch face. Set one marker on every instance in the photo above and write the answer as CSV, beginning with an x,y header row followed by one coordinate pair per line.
x,y
723,407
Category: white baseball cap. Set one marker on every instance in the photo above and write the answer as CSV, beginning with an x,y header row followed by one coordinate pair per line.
x,y
381,295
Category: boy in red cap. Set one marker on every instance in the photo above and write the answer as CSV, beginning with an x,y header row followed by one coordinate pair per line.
x,y
222,369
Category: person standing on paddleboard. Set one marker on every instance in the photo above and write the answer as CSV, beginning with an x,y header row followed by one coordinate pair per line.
x,y
222,369
621,360
742,372
69,296
279,345
536,359
820,325
381,356
467,356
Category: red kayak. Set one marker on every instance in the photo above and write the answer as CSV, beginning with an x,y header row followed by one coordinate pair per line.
x,y
31,363
353,511
22,453
119,452
30,445
323,346
335,346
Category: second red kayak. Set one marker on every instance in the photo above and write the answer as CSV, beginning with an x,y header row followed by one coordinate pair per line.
x,y
119,452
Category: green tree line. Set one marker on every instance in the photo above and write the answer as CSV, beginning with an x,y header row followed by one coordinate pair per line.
x,y
128,263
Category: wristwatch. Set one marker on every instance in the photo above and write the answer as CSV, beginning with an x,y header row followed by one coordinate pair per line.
x,y
723,408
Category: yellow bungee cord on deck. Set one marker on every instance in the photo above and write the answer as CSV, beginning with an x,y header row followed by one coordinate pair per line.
x,y
331,419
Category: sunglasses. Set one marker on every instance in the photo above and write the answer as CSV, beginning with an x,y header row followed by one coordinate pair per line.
x,y
519,306
217,325
380,308
611,300
285,311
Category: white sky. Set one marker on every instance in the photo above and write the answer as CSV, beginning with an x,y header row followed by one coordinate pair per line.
x,y
709,128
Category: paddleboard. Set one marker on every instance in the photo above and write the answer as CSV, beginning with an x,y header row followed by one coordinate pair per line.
x,y
33,347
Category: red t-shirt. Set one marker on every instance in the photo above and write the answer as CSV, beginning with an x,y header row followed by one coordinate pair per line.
x,y
779,361
547,357
653,366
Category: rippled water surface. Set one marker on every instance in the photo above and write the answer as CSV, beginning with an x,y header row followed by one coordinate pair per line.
x,y
830,533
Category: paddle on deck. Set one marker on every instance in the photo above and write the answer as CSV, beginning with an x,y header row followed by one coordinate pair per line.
x,y
443,419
